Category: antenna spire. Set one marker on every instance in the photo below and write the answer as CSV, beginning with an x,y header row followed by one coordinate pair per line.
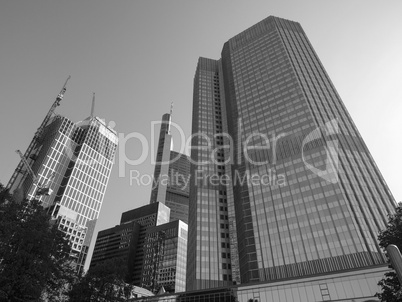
x,y
171,109
93,105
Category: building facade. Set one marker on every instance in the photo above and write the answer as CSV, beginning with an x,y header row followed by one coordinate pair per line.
x,y
73,161
165,254
154,248
147,217
285,185
120,241
158,193
127,239
178,187
341,287
172,175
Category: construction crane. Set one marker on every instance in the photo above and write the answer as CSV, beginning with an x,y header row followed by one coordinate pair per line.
x,y
35,141
41,189
45,188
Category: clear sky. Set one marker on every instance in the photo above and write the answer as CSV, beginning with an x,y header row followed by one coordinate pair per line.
x,y
139,56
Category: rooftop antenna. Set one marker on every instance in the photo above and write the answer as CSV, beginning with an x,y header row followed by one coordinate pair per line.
x,y
93,105
170,116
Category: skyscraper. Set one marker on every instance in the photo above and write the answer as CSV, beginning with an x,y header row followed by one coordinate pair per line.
x,y
165,255
127,239
154,249
162,161
172,175
284,186
73,162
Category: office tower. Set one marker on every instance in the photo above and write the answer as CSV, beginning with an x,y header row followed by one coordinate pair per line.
x,y
165,254
127,239
158,193
172,175
146,216
117,242
308,198
72,163
154,248
178,186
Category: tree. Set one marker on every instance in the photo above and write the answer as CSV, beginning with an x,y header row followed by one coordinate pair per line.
x,y
34,254
390,286
104,282
4,195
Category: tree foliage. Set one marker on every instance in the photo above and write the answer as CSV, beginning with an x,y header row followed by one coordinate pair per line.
x,y
390,286
34,254
5,195
104,282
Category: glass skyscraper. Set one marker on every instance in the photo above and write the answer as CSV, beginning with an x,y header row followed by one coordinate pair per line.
x,y
154,249
127,239
165,254
172,174
74,160
283,184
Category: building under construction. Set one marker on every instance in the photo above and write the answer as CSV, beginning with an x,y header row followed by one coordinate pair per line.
x,y
67,167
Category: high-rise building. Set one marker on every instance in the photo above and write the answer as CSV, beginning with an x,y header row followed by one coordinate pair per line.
x,y
178,186
158,193
172,175
154,248
120,241
127,239
72,162
284,185
146,216
165,255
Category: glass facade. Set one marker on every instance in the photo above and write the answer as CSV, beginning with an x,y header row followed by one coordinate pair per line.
x,y
147,216
172,175
209,254
307,196
118,242
350,286
178,187
165,257
74,160
154,248
158,193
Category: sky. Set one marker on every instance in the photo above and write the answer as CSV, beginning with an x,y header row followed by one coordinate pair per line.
x,y
139,56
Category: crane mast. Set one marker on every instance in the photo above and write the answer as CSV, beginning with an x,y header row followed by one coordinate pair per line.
x,y
29,169
35,141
